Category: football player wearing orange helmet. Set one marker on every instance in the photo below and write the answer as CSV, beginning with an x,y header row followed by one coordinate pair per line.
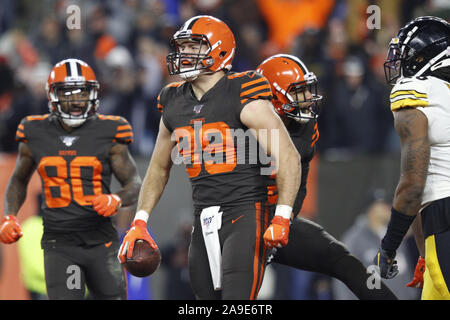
x,y
75,150
227,254
310,247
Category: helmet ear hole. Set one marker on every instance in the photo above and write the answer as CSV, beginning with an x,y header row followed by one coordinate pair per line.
x,y
222,54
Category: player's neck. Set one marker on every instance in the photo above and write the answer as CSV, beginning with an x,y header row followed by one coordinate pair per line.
x,y
205,82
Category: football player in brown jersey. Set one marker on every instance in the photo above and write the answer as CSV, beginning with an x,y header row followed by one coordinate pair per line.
x,y
75,151
205,117
310,247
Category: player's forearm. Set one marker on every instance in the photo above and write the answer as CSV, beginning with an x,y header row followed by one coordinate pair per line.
x,y
418,235
411,126
15,196
409,192
288,177
408,197
152,188
130,192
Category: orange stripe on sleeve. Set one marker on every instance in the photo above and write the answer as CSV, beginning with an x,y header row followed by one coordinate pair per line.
x,y
176,84
124,127
262,87
32,118
20,134
263,94
109,117
247,84
124,134
238,75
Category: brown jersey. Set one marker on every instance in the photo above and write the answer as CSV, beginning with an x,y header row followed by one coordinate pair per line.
x,y
222,167
74,167
304,137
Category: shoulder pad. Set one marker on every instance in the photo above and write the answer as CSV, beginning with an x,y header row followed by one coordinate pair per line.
x,y
123,132
253,86
161,95
22,129
409,93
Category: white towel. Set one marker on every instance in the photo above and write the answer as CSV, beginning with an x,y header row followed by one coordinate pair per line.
x,y
211,221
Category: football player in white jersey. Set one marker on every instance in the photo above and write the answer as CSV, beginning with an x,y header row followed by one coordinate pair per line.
x,y
418,63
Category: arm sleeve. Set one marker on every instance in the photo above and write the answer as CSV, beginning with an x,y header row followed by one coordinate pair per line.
x,y
409,93
124,132
253,86
21,135
162,103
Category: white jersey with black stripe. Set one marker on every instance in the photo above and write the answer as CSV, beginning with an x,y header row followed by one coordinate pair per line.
x,y
431,96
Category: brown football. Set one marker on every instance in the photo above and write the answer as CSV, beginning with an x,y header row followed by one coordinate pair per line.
x,y
144,260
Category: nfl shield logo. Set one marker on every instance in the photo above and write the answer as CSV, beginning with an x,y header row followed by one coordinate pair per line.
x,y
198,108
68,140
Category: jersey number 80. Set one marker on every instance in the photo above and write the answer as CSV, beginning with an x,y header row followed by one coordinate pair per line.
x,y
68,180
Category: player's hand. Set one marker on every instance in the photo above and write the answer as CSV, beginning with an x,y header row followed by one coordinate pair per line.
x,y
385,261
417,281
10,230
137,231
106,204
277,234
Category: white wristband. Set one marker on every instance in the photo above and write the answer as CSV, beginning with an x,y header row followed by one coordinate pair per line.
x,y
284,211
141,215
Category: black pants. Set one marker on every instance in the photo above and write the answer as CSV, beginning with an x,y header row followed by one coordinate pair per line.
x,y
243,254
311,248
436,229
69,268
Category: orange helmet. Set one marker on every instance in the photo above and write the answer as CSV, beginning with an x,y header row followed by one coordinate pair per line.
x,y
207,31
294,88
72,73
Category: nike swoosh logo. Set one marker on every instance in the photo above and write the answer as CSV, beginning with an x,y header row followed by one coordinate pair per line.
x,y
108,244
234,220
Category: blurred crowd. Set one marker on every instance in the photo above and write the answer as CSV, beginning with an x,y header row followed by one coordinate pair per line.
x,y
126,42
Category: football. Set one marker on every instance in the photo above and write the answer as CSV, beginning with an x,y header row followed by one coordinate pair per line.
x,y
144,260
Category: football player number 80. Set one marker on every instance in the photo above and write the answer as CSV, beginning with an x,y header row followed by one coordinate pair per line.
x,y
62,195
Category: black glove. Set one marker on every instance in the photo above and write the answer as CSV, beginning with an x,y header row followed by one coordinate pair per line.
x,y
385,261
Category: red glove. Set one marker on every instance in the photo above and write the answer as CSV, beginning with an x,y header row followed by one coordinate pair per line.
x,y
137,231
10,230
106,204
417,281
277,234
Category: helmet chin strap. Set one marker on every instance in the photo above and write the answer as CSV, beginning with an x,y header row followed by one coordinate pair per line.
x,y
304,118
74,121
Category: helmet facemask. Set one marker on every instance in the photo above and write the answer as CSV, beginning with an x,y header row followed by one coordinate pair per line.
x,y
189,65
420,49
303,100
392,66
74,102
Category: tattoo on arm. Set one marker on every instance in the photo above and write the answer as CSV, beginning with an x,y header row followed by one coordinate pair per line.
x,y
125,171
412,128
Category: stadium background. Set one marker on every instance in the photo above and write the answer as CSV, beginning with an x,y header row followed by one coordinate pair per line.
x,y
126,42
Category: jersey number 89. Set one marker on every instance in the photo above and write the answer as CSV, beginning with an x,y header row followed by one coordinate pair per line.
x,y
210,144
